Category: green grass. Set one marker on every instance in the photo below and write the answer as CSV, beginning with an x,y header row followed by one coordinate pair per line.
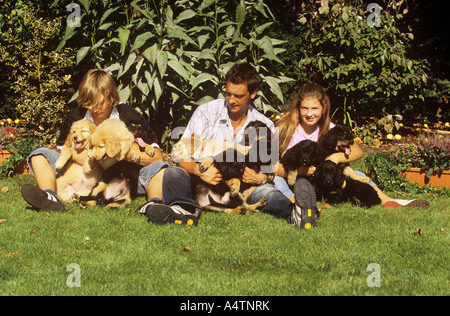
x,y
252,254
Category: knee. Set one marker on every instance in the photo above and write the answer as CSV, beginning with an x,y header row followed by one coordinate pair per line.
x,y
176,174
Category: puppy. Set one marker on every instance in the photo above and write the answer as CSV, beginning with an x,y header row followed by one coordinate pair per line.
x,y
118,186
305,153
202,150
231,164
339,139
140,135
111,142
332,186
74,179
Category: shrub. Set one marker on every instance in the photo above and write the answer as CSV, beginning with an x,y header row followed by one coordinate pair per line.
x,y
38,75
367,70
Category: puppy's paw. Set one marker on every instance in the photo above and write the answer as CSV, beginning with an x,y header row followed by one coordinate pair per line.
x,y
149,150
75,198
263,202
204,165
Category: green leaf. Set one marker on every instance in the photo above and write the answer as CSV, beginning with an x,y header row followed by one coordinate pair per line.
x,y
130,60
161,60
124,34
274,87
186,14
141,39
240,17
179,69
82,52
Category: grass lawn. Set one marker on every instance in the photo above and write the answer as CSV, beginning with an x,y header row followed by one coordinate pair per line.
x,y
120,253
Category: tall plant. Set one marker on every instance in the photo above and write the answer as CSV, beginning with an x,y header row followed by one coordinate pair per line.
x,y
169,56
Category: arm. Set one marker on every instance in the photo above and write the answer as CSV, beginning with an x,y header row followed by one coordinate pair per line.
x,y
211,176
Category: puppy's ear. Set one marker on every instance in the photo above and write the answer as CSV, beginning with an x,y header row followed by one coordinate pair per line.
x,y
69,139
112,148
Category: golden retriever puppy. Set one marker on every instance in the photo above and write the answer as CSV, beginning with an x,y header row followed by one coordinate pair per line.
x,y
73,178
203,150
111,142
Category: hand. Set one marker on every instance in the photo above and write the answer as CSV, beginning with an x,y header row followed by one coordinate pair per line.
x,y
252,176
211,176
306,171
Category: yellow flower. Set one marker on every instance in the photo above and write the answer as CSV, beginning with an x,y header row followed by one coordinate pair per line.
x,y
17,121
9,120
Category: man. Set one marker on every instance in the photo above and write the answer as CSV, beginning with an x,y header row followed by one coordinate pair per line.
x,y
225,120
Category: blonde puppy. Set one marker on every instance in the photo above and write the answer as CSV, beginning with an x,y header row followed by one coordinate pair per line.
x,y
77,177
111,142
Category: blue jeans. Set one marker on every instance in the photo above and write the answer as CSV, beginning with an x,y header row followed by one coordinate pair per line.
x,y
278,204
176,182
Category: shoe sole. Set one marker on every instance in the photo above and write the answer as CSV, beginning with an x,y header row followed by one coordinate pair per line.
x,y
412,204
305,198
162,214
37,198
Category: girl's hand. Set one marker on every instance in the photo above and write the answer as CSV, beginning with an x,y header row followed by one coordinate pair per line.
x,y
306,171
252,176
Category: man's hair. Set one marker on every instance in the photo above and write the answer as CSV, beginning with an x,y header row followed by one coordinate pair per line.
x,y
244,73
97,83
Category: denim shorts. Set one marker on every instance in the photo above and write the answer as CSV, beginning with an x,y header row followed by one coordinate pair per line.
x,y
145,174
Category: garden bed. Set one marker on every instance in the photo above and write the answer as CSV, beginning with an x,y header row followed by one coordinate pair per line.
x,y
417,175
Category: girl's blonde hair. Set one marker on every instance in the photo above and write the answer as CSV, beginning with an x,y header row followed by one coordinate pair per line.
x,y
289,123
96,87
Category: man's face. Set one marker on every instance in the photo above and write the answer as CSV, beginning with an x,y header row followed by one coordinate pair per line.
x,y
238,98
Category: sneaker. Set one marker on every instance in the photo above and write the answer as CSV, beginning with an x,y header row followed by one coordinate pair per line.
x,y
161,214
41,200
305,213
407,203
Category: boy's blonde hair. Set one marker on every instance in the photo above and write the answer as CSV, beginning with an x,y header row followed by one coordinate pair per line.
x,y
96,87
289,123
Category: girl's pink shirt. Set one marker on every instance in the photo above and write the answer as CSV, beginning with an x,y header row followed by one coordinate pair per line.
x,y
299,135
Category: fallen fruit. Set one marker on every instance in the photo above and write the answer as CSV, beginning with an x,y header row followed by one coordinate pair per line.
x,y
390,136
398,136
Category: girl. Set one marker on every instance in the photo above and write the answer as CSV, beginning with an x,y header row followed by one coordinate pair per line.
x,y
309,118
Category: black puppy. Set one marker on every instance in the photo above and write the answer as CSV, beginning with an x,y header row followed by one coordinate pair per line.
x,y
231,164
305,153
142,138
118,186
339,139
332,186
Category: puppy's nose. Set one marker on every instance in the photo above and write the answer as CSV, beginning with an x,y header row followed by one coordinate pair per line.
x,y
75,138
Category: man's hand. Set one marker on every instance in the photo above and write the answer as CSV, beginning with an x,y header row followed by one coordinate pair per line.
x,y
252,176
211,176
